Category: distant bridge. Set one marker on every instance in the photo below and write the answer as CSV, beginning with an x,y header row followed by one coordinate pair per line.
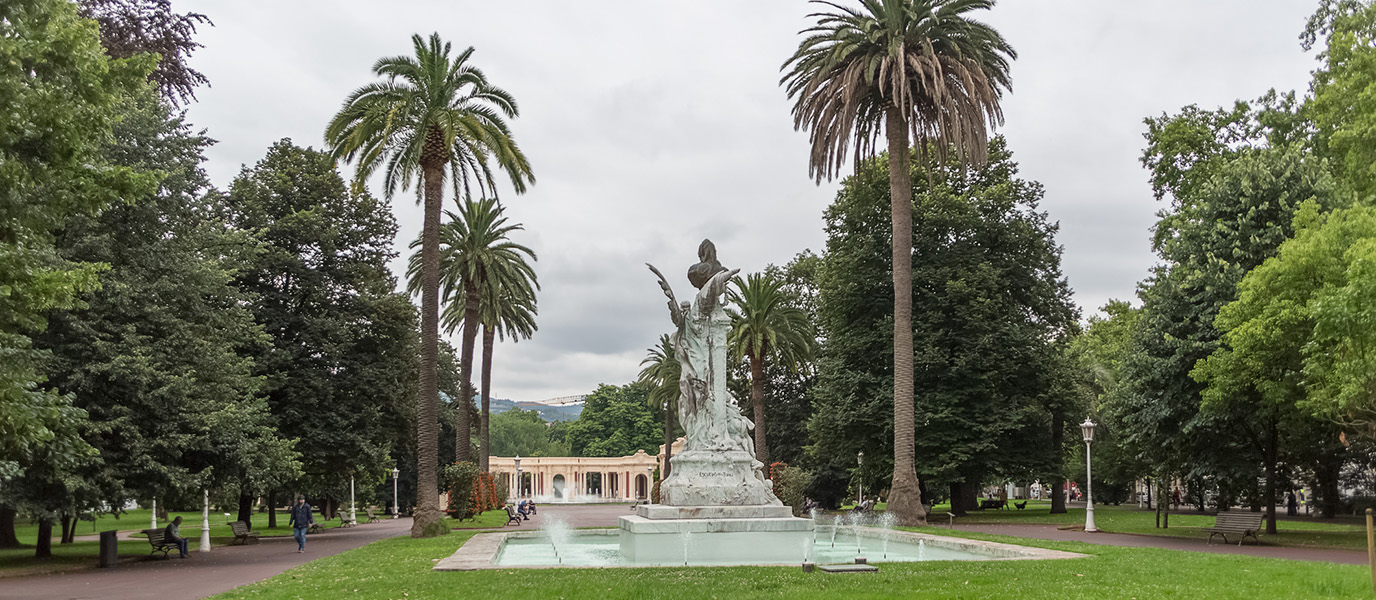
x,y
562,400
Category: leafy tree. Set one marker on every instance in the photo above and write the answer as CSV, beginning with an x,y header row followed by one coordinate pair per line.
x,y
1099,351
159,356
765,328
430,114
58,93
927,72
1234,177
616,421
485,281
133,27
522,432
990,300
323,294
1343,105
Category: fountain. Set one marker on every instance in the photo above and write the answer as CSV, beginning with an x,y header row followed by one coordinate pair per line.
x,y
717,508
716,485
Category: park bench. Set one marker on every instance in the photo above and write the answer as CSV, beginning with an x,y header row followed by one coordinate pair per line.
x,y
157,538
344,520
372,518
512,516
993,504
242,534
1243,524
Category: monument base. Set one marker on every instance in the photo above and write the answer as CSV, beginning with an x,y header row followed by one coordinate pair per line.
x,y
672,535
716,477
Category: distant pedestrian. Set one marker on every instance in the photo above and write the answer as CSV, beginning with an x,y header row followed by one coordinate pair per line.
x,y
1175,498
1292,507
301,519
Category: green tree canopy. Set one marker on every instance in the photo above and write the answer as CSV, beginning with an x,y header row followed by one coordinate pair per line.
x,y
616,421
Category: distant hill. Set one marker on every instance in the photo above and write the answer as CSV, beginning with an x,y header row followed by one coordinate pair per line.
x,y
548,413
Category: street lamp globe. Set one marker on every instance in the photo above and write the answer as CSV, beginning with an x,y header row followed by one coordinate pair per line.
x,y
860,458
1087,428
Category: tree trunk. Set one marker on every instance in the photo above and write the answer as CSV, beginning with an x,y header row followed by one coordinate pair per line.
x,y
272,510
8,538
1058,475
463,440
1325,494
1272,476
246,509
489,337
44,549
957,500
969,491
757,399
905,498
428,518
68,529
1163,518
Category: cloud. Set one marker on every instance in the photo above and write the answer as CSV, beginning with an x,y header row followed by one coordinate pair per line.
x,y
653,125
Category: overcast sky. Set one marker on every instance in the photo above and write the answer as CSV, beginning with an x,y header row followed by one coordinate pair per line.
x,y
653,125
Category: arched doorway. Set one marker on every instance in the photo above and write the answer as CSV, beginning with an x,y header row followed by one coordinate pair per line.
x,y
642,490
558,484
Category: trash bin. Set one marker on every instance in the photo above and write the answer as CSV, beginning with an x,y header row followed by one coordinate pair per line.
x,y
109,548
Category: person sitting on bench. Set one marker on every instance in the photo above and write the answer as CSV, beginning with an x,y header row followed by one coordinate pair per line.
x,y
172,535
521,508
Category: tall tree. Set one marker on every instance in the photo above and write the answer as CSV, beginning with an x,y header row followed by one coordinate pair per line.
x,y
430,115
320,284
483,276
1343,101
508,313
926,72
765,328
132,27
616,421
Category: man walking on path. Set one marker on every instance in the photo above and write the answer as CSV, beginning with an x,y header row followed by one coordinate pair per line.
x,y
301,518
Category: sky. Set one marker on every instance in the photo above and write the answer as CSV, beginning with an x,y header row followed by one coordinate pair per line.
x,y
653,125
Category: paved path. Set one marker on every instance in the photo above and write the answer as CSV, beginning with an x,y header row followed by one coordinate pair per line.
x,y
1050,532
204,574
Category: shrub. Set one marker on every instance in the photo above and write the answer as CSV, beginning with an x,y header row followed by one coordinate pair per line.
x,y
790,485
460,479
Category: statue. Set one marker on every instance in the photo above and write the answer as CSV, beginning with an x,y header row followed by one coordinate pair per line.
x,y
718,464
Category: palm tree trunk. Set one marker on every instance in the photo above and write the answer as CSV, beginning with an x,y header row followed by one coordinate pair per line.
x,y
428,518
905,498
489,336
463,434
757,398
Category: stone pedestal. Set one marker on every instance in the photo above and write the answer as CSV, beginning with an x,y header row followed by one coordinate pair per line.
x,y
715,477
673,535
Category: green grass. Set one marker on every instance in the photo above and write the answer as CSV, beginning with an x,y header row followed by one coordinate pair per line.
x,y
1298,532
492,519
77,555
401,568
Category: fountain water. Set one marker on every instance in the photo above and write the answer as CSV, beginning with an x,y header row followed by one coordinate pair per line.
x,y
558,533
886,524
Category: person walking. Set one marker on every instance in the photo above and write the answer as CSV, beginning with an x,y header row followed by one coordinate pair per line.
x,y
301,519
1291,505
172,533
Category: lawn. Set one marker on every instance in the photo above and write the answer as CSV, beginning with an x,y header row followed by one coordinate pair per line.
x,y
1298,532
492,519
401,568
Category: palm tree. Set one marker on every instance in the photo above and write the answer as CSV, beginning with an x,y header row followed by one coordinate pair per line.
x,y
513,316
429,114
479,267
764,326
929,74
661,372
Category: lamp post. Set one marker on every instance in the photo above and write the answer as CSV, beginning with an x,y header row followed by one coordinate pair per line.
x,y
517,462
396,508
860,460
649,481
205,522
1087,428
352,504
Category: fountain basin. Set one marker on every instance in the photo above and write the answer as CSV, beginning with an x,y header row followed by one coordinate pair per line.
x,y
602,548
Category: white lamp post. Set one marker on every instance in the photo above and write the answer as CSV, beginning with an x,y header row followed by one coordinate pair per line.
x,y
649,481
1087,428
519,483
860,460
205,523
396,508
352,504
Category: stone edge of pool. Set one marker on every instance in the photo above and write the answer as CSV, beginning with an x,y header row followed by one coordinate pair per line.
x,y
480,552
